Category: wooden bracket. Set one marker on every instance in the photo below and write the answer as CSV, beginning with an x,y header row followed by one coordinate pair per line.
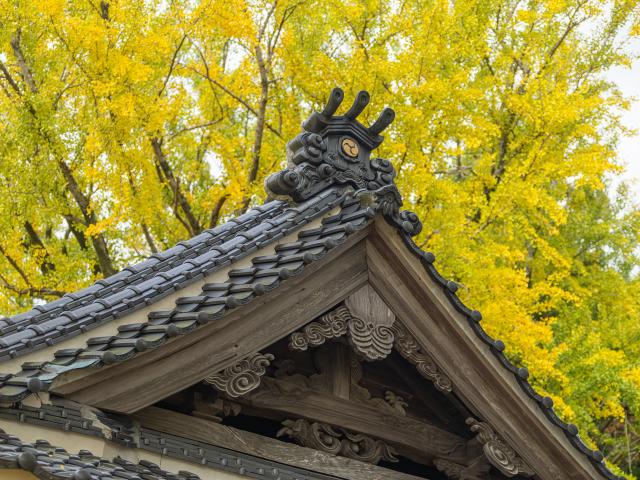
x,y
498,452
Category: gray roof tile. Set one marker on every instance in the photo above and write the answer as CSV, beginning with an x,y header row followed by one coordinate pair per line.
x,y
110,297
214,301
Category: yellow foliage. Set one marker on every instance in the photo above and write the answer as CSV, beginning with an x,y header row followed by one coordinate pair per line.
x,y
128,126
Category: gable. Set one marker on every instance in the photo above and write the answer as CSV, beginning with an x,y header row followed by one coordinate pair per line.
x,y
332,276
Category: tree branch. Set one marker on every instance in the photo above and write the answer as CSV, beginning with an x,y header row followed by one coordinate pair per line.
x,y
237,98
193,224
32,291
215,213
147,235
98,241
10,79
172,65
16,267
27,76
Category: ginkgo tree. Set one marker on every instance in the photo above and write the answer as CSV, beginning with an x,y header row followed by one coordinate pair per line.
x,y
126,126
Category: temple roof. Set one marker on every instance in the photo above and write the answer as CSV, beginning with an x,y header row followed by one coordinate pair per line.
x,y
330,190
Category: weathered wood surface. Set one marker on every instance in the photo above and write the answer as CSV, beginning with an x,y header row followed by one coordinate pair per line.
x,y
154,375
268,448
484,385
416,439
370,328
335,364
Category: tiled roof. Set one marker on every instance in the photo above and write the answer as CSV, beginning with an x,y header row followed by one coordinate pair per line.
x,y
48,462
214,301
319,178
51,462
160,275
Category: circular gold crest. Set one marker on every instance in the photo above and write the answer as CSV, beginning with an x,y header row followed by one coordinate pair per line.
x,y
350,147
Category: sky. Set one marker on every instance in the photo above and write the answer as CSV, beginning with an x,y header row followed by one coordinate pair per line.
x,y
628,79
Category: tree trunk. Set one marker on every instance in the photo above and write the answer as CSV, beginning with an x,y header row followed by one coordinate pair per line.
x,y
193,225
98,241
260,124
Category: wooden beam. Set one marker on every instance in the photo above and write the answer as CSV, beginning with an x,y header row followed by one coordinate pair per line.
x,y
334,361
152,376
249,443
413,438
420,389
479,379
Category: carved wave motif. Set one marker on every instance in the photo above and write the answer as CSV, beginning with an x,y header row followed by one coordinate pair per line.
x,y
424,363
330,325
499,454
243,377
337,441
373,342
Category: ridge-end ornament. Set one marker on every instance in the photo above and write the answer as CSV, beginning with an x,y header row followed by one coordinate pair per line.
x,y
334,150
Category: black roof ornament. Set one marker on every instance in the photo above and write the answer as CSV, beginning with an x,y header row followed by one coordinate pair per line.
x,y
335,150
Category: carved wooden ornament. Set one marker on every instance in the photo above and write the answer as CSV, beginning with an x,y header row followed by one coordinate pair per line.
x,y
370,330
407,346
337,441
242,377
330,325
499,454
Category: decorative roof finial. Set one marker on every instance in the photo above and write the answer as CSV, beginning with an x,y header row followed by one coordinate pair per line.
x,y
336,151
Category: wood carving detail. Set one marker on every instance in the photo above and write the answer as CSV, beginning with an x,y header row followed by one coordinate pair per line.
x,y
330,325
373,342
391,402
242,377
370,331
337,441
499,454
407,346
298,383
